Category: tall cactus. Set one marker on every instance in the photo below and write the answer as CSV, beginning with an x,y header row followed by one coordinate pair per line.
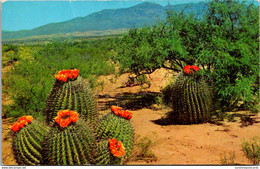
x,y
73,94
74,144
191,98
27,143
113,126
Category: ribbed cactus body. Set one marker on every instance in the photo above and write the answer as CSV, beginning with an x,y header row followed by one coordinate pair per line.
x,y
73,145
72,95
27,143
191,99
112,126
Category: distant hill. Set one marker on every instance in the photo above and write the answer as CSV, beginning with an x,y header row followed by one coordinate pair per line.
x,y
109,19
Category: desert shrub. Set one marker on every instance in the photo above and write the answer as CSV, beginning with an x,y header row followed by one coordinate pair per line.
x,y
142,149
251,149
228,160
223,42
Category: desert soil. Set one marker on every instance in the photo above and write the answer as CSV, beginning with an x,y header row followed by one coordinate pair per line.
x,y
171,144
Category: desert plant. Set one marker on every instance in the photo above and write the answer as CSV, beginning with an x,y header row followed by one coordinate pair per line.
x,y
191,98
251,149
114,126
28,141
73,144
72,94
228,160
143,150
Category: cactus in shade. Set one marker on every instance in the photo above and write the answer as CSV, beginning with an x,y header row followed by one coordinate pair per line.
x,y
28,140
69,144
70,91
118,127
191,97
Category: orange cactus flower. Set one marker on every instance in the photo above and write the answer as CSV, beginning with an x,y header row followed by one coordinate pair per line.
x,y
119,144
64,75
116,148
57,119
196,68
63,123
65,117
74,119
114,151
130,116
21,122
29,119
15,127
190,69
115,109
112,141
24,122
112,146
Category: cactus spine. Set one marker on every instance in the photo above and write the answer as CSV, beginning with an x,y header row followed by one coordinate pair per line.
x,y
73,145
27,143
73,95
191,99
112,126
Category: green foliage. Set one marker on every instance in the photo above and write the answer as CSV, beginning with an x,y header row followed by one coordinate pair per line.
x,y
192,100
223,42
27,143
29,81
72,95
251,149
112,126
73,145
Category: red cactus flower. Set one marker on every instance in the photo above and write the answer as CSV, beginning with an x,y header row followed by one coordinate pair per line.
x,y
116,148
190,69
65,117
115,109
21,122
15,127
64,75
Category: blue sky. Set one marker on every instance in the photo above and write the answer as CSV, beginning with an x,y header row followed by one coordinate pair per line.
x,y
19,15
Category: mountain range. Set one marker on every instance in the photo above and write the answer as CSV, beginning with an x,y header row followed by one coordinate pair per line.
x,y
146,13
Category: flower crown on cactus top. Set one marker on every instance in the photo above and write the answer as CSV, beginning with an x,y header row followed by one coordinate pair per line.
x,y
64,75
21,122
116,148
119,112
190,69
65,117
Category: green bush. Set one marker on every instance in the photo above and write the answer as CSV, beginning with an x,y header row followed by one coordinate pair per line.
x,y
223,41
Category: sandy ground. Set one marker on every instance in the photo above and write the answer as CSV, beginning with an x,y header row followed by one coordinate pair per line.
x,y
172,144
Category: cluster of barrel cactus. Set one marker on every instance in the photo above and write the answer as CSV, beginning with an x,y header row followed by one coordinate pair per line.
x,y
191,97
72,134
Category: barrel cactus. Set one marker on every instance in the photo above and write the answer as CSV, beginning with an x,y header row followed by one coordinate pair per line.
x,y
28,140
114,125
70,91
191,97
70,141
